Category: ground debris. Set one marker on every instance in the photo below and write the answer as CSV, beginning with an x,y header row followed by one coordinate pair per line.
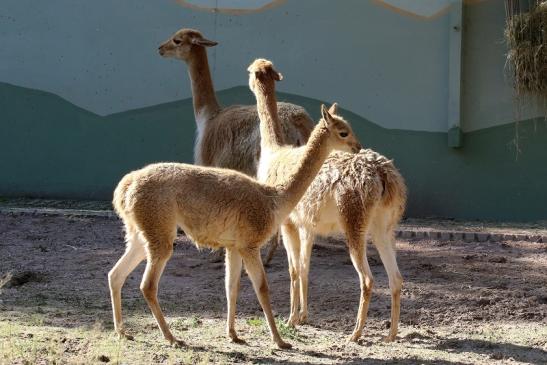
x,y
13,279
103,358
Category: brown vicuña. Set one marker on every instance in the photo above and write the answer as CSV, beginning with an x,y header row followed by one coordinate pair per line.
x,y
227,136
353,193
216,208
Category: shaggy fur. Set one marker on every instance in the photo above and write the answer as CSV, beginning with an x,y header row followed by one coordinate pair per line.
x,y
227,136
353,194
216,208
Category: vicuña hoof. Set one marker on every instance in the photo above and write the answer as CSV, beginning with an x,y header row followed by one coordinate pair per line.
x,y
293,322
123,335
177,343
303,318
237,340
390,338
354,338
233,338
284,345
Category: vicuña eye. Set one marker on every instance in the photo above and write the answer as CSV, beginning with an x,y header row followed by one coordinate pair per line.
x,y
343,134
177,41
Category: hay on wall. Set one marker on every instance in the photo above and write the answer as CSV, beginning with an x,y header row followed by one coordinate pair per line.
x,y
526,36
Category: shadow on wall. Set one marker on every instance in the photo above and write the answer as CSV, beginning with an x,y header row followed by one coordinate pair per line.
x,y
52,148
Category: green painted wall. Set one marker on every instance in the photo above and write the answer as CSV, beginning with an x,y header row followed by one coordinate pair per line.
x,y
53,148
85,98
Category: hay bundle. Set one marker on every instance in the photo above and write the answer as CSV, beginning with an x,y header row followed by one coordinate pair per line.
x,y
526,36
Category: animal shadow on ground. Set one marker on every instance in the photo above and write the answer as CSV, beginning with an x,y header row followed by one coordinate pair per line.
x,y
497,351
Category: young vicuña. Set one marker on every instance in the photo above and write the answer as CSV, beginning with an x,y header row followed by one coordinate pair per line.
x,y
216,208
352,193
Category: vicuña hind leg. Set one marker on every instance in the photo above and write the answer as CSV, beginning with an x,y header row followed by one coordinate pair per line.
x,y
255,269
233,275
357,251
134,254
160,249
385,245
306,244
291,241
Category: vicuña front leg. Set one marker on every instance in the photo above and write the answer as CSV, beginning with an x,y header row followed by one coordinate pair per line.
x,y
233,275
149,287
357,251
255,269
134,254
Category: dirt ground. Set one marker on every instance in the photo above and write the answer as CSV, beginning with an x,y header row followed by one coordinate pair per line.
x,y
462,303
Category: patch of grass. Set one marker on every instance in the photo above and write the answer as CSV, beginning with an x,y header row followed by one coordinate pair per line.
x,y
287,331
255,322
184,324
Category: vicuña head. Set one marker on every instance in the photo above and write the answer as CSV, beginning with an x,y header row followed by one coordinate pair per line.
x,y
262,74
183,43
342,137
262,77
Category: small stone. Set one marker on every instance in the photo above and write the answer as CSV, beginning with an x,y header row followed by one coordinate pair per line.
x,y
535,238
482,237
469,237
509,237
433,235
407,234
445,236
496,356
496,237
521,237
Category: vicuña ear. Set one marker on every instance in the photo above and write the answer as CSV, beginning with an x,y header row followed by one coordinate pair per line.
x,y
334,108
277,75
325,113
204,42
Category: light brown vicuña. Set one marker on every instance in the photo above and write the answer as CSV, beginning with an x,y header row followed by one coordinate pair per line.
x,y
227,137
216,208
353,193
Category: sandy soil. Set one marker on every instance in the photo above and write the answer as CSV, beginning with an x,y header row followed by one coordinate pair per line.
x,y
463,303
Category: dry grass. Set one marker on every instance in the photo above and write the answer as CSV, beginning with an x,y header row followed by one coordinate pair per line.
x,y
526,36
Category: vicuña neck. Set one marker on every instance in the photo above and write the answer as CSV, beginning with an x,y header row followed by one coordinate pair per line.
x,y
203,93
271,136
315,153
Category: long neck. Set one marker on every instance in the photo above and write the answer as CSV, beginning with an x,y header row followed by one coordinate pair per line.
x,y
315,153
271,136
205,101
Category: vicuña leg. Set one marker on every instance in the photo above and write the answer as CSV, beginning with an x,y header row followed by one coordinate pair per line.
x,y
357,251
134,254
272,247
385,244
291,241
306,244
160,249
233,275
255,269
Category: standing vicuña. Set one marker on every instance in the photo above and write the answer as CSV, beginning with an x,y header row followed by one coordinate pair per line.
x,y
216,208
352,193
227,136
